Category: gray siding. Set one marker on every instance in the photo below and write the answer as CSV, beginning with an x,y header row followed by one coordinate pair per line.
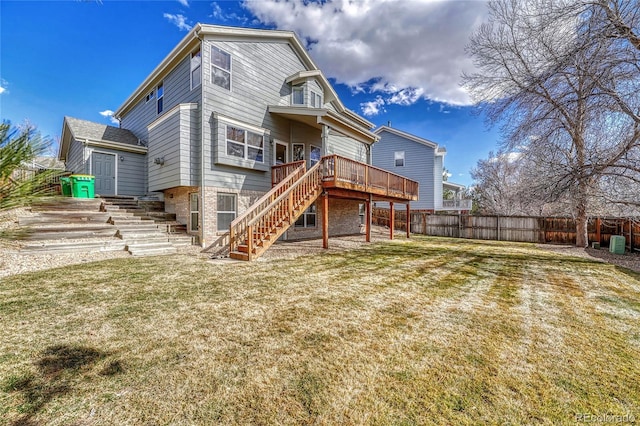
x,y
177,90
131,171
419,165
176,140
258,73
346,147
75,160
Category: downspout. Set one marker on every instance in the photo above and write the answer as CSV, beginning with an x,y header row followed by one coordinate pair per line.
x,y
84,156
202,142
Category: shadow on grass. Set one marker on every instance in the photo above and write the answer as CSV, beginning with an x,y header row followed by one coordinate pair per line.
x,y
57,367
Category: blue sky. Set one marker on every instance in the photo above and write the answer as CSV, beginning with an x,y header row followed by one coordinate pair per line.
x,y
397,61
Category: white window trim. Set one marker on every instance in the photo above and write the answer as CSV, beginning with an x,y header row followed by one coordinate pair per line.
x,y
245,143
295,89
310,150
160,97
315,96
191,69
191,222
230,71
395,159
235,206
150,95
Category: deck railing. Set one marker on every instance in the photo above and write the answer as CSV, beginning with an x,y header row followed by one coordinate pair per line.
x,y
238,228
456,204
282,171
350,174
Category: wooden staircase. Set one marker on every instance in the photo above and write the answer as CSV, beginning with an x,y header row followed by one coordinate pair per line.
x,y
252,233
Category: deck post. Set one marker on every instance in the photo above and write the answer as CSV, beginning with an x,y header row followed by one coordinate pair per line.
x,y
325,220
391,220
408,220
367,220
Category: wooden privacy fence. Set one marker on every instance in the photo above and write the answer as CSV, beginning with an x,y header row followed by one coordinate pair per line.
x,y
554,230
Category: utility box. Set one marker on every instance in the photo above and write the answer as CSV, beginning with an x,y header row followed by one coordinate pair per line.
x,y
83,186
617,244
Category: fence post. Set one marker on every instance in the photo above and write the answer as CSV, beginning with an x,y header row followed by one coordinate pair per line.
x,y
630,235
424,222
498,228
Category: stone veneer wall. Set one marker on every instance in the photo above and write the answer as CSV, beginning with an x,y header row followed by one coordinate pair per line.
x,y
343,220
176,200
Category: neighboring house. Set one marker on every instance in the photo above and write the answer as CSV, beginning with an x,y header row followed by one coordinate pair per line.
x,y
418,159
204,129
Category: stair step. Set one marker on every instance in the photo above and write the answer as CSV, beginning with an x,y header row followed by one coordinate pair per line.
x,y
64,217
74,247
148,249
68,235
127,221
238,255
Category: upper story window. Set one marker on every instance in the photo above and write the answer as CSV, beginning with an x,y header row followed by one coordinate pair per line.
x,y
297,95
316,100
149,97
244,144
160,96
196,72
398,158
220,68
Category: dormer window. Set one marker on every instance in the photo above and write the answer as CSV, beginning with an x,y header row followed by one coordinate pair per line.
x,y
316,100
297,95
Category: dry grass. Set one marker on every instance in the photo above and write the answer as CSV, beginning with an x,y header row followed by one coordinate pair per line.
x,y
432,331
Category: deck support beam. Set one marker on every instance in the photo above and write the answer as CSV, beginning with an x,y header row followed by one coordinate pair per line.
x,y
367,220
325,220
392,215
408,220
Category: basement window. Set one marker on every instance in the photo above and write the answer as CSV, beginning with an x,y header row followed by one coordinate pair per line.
x,y
226,211
308,218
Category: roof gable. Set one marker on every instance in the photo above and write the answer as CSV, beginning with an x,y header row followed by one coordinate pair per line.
x,y
406,135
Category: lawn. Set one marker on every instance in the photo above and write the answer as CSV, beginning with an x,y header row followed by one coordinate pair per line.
x,y
427,331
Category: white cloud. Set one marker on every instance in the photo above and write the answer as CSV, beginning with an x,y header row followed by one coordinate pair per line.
x,y
373,107
408,49
3,86
2,90
179,21
185,3
108,113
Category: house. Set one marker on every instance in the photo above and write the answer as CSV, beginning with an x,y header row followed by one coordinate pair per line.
x,y
421,160
239,132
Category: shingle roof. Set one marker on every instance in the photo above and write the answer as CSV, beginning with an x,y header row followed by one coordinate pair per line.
x,y
82,129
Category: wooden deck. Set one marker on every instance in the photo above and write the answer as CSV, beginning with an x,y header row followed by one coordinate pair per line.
x,y
350,178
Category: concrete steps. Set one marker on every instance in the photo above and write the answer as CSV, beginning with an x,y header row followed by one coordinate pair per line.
x,y
151,249
55,247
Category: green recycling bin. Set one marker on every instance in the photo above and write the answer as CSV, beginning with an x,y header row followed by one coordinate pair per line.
x,y
83,186
65,186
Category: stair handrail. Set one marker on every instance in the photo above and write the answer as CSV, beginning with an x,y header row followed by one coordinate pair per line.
x,y
261,226
290,189
238,226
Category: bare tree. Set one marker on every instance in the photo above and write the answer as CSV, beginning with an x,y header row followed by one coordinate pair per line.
x,y
562,78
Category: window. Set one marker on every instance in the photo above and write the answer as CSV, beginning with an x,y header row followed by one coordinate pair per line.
x,y
398,157
362,210
196,75
298,152
308,218
160,101
194,214
297,95
314,155
149,97
316,100
242,143
220,68
226,210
